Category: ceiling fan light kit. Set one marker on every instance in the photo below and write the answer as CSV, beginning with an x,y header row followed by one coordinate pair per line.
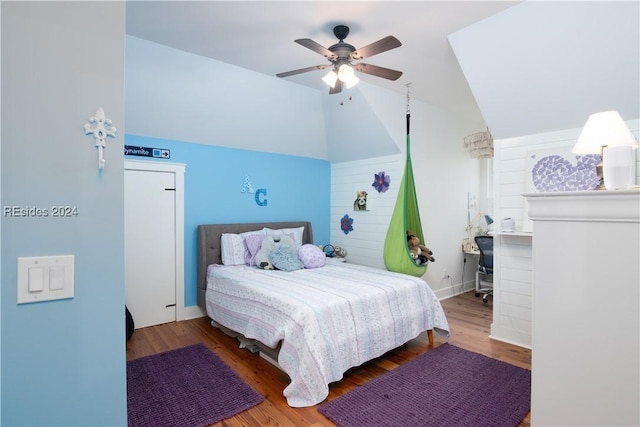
x,y
341,55
351,81
345,72
330,79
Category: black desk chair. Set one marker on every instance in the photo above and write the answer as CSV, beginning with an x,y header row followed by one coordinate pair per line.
x,y
484,274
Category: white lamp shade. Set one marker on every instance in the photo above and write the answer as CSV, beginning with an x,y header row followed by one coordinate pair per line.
x,y
330,78
351,81
345,72
605,129
479,145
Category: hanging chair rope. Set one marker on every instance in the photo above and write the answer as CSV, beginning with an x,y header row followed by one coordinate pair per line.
x,y
408,85
406,216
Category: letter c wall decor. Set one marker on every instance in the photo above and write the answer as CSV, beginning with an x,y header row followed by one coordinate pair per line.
x,y
261,191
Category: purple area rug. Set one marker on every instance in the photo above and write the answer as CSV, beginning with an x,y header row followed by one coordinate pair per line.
x,y
447,386
187,387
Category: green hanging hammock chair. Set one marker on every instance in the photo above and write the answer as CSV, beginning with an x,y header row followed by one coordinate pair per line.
x,y
406,216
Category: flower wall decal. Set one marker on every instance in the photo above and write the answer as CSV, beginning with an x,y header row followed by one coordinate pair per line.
x,y
381,181
346,224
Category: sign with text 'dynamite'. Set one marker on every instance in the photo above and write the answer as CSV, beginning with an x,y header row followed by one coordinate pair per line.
x,y
160,153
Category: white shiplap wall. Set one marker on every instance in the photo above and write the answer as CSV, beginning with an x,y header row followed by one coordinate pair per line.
x,y
512,252
365,243
444,175
512,289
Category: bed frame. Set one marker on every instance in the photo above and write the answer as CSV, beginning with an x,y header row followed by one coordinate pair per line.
x,y
209,253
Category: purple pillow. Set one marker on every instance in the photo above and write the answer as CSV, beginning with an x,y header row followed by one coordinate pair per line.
x,y
311,256
253,242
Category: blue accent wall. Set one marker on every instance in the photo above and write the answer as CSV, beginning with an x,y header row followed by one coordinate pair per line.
x,y
297,189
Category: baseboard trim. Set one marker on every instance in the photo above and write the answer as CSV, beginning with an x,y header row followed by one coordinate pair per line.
x,y
192,312
509,336
452,291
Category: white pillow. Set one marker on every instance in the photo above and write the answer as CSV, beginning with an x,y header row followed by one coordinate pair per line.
x,y
234,249
297,233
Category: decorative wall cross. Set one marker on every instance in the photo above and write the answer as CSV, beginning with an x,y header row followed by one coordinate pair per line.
x,y
101,128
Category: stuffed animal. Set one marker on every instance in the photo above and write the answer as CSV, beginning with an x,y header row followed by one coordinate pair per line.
x,y
262,256
360,204
340,252
415,255
420,253
278,253
418,258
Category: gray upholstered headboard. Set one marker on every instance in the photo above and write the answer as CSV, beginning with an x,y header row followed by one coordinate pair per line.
x,y
209,245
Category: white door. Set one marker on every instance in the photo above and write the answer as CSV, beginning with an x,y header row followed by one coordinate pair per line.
x,y
150,266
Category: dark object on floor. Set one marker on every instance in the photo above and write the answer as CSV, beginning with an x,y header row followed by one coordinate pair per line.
x,y
129,322
447,386
190,386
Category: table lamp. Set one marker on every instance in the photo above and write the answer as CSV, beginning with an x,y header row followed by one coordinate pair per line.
x,y
606,133
468,244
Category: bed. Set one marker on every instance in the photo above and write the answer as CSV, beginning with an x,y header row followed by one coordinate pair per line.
x,y
315,322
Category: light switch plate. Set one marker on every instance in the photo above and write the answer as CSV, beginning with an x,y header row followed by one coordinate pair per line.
x,y
45,278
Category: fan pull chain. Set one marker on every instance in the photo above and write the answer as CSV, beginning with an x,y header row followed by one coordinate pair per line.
x,y
342,102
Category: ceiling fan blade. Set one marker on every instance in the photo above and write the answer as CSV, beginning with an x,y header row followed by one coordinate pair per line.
x,y
337,88
301,70
316,47
374,70
375,48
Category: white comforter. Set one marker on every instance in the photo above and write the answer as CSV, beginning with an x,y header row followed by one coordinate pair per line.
x,y
329,319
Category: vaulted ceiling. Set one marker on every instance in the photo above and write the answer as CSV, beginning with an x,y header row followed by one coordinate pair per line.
x,y
259,35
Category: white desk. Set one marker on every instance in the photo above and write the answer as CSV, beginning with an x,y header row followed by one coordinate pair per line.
x,y
514,233
464,262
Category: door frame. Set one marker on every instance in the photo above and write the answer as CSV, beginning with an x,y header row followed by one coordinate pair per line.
x,y
178,170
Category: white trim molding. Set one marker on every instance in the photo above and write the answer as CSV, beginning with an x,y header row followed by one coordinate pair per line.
x,y
612,206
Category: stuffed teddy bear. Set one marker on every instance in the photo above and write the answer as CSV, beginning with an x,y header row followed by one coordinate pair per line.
x,y
420,253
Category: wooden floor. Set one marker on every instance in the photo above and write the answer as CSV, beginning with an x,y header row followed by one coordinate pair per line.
x,y
469,321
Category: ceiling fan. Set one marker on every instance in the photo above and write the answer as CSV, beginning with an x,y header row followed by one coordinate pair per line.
x,y
341,55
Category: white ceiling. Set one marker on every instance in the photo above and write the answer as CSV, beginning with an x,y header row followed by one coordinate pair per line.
x,y
547,65
259,35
